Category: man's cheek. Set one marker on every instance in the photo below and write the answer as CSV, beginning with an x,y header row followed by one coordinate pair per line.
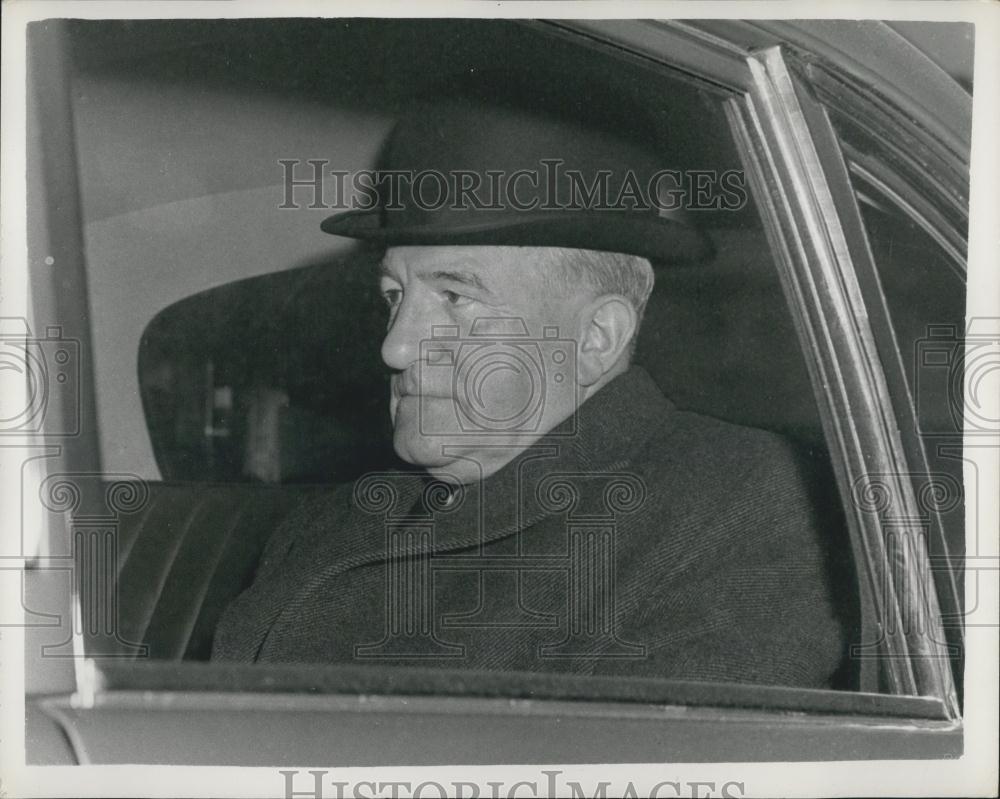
x,y
502,397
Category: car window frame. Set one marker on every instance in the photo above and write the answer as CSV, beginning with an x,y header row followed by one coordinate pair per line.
x,y
752,84
794,137
943,559
796,168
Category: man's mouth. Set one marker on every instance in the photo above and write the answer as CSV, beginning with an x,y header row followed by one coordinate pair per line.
x,y
406,385
403,385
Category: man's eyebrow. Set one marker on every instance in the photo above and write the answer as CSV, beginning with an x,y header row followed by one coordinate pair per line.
x,y
465,278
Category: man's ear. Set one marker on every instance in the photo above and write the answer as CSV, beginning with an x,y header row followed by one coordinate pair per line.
x,y
606,326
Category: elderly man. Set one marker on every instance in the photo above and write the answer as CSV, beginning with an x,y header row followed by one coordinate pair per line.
x,y
565,515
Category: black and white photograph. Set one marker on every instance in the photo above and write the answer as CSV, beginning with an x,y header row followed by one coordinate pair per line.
x,y
499,400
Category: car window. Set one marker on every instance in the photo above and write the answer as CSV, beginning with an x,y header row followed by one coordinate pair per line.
x,y
240,380
913,206
923,287
218,370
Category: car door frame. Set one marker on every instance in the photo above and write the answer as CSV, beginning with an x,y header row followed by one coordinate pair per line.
x,y
796,170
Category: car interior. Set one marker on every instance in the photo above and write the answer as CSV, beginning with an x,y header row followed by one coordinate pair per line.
x,y
258,389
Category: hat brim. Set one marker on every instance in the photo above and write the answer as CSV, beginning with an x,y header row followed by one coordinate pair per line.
x,y
646,235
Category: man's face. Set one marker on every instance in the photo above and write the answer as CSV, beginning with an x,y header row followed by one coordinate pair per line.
x,y
484,355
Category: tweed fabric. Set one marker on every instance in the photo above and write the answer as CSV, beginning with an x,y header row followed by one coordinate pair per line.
x,y
651,542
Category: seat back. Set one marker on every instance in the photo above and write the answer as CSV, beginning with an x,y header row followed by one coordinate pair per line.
x,y
187,554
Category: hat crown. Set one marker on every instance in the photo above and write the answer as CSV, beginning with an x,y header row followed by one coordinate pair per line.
x,y
467,172
480,138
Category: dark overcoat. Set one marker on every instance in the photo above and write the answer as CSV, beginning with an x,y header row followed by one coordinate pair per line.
x,y
634,539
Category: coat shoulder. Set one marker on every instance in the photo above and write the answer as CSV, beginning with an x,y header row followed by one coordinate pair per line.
x,y
741,556
703,457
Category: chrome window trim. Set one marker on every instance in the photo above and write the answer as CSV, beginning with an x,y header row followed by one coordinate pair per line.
x,y
922,212
777,124
716,63
816,261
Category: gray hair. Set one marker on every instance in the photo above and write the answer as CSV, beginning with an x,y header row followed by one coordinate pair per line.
x,y
630,276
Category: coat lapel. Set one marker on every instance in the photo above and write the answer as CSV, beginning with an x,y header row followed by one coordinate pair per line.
x,y
393,515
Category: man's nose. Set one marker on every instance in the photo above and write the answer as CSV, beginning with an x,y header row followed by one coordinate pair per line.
x,y
401,346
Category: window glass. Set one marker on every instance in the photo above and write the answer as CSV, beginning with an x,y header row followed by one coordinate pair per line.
x,y
246,369
913,194
924,291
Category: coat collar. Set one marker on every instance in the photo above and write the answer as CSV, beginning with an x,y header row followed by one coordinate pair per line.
x,y
608,430
404,514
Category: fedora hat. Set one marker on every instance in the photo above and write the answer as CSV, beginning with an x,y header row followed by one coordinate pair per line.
x,y
463,172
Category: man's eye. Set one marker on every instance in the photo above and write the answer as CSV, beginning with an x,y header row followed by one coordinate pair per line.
x,y
392,297
455,299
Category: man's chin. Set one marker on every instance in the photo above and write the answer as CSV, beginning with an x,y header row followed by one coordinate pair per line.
x,y
430,456
411,422
451,454
425,453
415,447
